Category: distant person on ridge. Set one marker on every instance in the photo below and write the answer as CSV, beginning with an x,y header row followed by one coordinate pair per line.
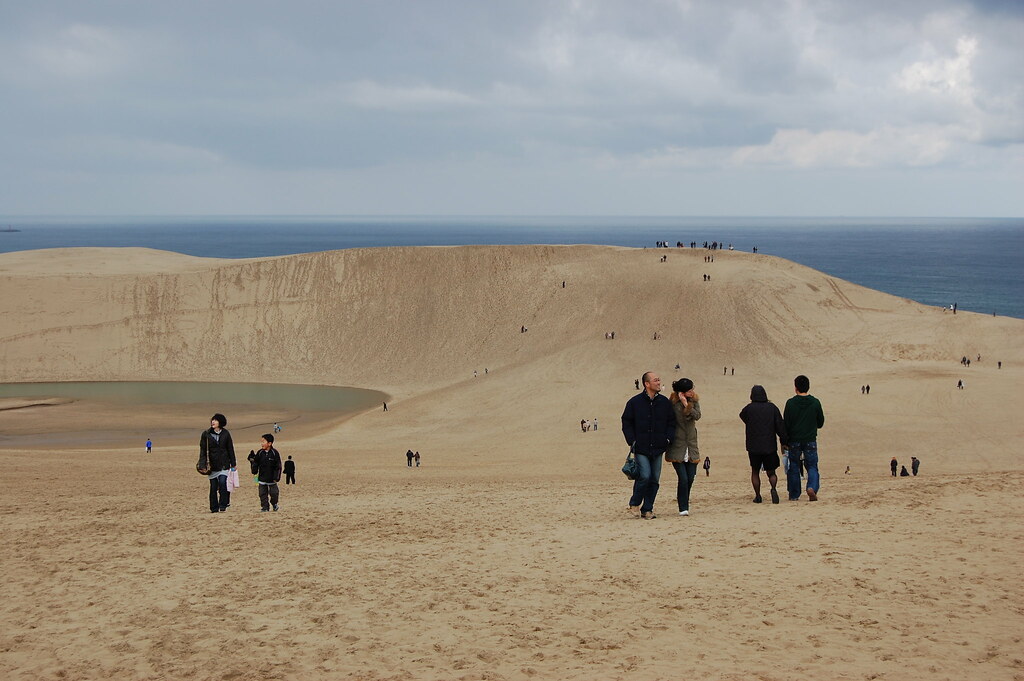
x,y
893,465
649,426
763,424
683,454
149,446
915,463
289,472
803,417
707,466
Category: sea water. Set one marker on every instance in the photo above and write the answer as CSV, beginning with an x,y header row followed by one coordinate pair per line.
x,y
975,263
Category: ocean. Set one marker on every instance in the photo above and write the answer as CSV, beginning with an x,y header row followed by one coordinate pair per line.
x,y
974,262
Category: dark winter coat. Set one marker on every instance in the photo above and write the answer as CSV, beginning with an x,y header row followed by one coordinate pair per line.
x,y
764,423
267,464
219,450
649,423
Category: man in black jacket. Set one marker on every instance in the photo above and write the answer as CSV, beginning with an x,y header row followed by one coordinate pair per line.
x,y
648,425
764,423
266,465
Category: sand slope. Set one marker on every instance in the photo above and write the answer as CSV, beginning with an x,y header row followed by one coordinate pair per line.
x,y
508,555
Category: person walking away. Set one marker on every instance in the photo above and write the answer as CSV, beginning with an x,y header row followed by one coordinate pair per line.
x,y
915,463
803,417
289,472
893,465
683,453
149,446
649,427
408,458
218,451
266,466
707,466
763,424
417,457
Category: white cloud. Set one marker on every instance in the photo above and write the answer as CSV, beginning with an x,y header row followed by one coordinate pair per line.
x,y
80,51
554,88
103,153
943,76
885,147
371,95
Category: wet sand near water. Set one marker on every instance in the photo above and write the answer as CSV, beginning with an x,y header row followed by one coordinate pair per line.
x,y
69,423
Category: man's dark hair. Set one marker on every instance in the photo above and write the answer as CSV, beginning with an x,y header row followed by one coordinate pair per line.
x,y
643,379
268,437
802,383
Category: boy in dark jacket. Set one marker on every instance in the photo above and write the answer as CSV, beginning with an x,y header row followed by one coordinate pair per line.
x,y
764,423
266,465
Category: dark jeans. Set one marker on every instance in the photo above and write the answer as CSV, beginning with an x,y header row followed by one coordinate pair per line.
x,y
272,491
645,487
219,485
686,472
289,478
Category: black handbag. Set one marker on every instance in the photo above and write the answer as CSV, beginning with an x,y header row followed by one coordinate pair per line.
x,y
203,466
631,469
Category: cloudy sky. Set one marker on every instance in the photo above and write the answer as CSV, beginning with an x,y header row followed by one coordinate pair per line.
x,y
512,107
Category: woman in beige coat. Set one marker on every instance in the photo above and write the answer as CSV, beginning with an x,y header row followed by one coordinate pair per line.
x,y
683,453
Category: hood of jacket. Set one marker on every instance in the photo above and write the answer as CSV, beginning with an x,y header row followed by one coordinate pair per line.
x,y
758,394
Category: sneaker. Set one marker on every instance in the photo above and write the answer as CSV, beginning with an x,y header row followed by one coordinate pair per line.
x,y
264,510
649,515
276,507
775,497
757,499
633,511
811,495
684,513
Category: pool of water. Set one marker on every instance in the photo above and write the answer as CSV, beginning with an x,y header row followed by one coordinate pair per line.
x,y
93,415
284,396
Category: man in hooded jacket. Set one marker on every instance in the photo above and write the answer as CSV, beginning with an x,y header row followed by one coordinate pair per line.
x,y
764,423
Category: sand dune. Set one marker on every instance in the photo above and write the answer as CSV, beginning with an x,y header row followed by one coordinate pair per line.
x,y
508,555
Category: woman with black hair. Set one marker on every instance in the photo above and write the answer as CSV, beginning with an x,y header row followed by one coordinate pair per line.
x,y
683,453
217,449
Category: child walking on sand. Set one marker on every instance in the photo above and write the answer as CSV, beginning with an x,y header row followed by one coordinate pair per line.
x,y
266,466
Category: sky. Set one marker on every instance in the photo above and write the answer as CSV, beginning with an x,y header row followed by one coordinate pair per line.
x,y
519,107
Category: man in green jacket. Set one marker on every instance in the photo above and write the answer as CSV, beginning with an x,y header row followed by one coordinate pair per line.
x,y
803,416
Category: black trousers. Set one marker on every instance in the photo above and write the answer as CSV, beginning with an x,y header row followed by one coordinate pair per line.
x,y
289,478
272,491
219,487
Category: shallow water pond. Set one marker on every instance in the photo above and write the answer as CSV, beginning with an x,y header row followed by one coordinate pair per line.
x,y
294,397
90,414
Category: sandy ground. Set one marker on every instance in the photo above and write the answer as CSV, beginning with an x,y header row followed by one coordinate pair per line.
x,y
509,554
